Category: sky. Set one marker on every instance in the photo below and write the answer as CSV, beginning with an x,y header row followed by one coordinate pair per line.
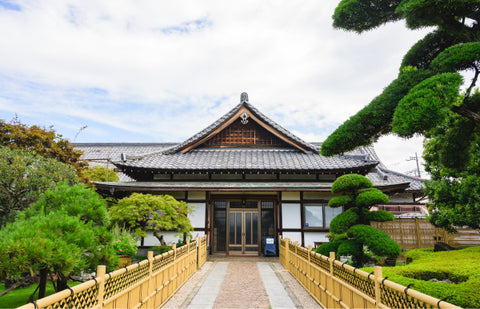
x,y
160,71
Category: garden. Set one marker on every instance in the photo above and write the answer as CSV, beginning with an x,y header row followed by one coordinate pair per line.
x,y
453,275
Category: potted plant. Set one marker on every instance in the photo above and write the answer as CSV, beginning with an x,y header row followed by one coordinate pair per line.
x,y
125,246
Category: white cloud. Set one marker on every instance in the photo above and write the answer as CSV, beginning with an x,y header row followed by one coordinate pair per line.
x,y
164,70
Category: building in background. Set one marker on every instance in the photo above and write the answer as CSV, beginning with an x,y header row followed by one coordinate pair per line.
x,y
248,178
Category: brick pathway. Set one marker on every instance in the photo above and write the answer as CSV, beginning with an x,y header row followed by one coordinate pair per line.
x,y
238,284
242,287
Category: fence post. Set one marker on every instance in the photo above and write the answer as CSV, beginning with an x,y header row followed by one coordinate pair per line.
x,y
377,272
150,283
174,277
101,284
287,247
309,268
419,236
296,260
198,251
331,260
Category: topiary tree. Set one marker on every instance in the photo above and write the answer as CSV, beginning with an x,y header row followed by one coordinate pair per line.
x,y
429,97
24,176
350,231
156,213
63,233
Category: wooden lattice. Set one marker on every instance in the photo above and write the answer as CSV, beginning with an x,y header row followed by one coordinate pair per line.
x,y
249,134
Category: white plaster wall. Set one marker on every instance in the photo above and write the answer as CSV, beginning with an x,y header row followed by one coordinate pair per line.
x,y
197,218
151,240
311,238
294,236
291,216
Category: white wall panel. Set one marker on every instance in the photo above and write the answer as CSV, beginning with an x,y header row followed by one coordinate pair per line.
x,y
294,236
291,216
311,238
197,218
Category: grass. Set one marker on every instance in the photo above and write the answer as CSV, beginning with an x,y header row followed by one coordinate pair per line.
x,y
459,266
19,297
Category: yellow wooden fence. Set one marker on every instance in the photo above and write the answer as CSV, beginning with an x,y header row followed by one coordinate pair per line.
x,y
334,284
412,233
147,284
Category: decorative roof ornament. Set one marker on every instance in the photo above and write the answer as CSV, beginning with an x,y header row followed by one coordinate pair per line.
x,y
244,98
244,116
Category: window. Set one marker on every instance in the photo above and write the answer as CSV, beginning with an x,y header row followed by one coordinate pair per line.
x,y
319,216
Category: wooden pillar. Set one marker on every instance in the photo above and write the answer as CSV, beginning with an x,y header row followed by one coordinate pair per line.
x,y
309,269
174,276
101,269
150,289
331,281
378,278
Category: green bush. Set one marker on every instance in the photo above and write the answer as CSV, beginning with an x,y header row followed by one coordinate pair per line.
x,y
350,182
379,216
162,249
326,248
377,241
339,201
343,221
459,266
369,197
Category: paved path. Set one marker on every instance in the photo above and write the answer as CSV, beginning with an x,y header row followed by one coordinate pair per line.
x,y
235,284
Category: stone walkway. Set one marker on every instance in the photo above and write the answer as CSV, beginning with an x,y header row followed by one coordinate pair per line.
x,y
238,284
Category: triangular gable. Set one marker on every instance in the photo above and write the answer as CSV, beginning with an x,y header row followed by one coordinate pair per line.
x,y
247,114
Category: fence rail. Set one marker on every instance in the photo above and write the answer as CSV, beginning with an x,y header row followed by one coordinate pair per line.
x,y
334,284
147,284
418,233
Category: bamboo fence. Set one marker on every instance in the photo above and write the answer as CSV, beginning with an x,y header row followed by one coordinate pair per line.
x,y
147,284
417,233
334,284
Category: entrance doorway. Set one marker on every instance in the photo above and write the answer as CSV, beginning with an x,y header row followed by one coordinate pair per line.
x,y
243,232
239,225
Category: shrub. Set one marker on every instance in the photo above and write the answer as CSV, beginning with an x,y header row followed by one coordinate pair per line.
x,y
350,182
343,221
377,241
379,216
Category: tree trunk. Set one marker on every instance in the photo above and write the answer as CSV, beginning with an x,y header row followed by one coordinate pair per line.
x,y
159,237
43,283
61,283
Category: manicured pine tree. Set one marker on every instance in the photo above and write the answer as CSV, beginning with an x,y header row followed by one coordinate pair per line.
x,y
350,231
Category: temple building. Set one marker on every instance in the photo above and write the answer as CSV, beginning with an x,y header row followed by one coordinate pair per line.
x,y
248,178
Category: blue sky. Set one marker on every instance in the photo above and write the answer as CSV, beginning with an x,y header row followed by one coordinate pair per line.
x,y
160,71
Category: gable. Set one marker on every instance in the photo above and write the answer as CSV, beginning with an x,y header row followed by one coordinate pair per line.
x,y
245,133
243,126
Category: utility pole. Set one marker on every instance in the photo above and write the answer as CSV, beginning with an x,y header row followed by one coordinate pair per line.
x,y
418,165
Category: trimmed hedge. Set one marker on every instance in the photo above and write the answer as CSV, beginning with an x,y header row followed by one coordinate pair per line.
x,y
339,201
370,197
458,266
379,216
350,182
377,241
343,221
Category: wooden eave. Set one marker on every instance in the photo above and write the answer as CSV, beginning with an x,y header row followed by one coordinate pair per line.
x,y
234,117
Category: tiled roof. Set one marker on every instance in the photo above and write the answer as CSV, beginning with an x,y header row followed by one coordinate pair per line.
x,y
247,159
227,116
153,152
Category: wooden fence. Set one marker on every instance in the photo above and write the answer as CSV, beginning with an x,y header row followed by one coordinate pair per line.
x,y
147,284
417,233
334,284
